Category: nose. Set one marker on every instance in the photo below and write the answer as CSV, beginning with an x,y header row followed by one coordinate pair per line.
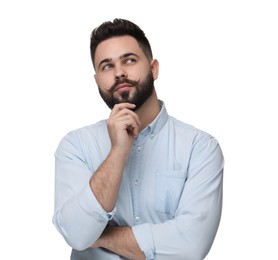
x,y
120,73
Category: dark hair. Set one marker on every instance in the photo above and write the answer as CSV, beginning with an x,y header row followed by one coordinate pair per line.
x,y
119,27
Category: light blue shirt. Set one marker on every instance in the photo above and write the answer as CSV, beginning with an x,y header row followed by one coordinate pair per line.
x,y
171,190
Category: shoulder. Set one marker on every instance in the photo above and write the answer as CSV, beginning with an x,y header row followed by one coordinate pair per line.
x,y
90,130
187,130
84,135
192,137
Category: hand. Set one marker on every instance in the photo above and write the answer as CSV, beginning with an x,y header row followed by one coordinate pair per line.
x,y
123,125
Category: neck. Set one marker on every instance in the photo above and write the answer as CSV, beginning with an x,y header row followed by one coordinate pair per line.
x,y
148,111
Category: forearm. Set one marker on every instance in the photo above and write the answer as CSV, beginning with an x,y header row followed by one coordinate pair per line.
x,y
106,181
121,241
190,234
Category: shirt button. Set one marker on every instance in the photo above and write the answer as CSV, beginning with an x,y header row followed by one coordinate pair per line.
x,y
137,219
152,136
136,182
139,148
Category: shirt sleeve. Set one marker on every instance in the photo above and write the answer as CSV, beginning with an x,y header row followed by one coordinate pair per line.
x,y
190,234
74,199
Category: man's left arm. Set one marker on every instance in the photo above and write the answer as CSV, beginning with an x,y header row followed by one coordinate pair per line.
x,y
121,241
191,232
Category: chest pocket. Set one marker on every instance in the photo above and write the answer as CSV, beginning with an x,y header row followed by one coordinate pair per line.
x,y
168,189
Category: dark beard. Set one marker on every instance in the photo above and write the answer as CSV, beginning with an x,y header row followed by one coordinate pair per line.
x,y
143,91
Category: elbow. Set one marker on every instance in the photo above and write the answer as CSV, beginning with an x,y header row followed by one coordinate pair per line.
x,y
77,240
197,249
192,249
77,245
194,253
198,254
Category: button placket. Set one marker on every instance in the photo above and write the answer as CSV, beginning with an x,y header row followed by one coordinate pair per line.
x,y
136,182
137,219
138,146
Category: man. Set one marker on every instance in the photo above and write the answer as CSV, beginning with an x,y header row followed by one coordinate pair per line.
x,y
141,184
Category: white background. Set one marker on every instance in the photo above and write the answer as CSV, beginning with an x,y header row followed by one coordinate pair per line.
x,y
218,71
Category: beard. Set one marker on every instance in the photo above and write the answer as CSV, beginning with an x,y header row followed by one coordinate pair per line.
x,y
138,97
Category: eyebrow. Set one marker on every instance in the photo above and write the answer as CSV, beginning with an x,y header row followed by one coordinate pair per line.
x,y
121,57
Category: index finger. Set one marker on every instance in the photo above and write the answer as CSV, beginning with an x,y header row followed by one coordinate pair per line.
x,y
120,106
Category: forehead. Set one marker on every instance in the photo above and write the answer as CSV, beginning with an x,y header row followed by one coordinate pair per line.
x,y
115,47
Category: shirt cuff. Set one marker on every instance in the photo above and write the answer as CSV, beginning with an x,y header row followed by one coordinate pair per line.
x,y
144,238
91,206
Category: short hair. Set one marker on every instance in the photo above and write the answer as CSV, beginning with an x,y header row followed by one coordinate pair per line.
x,y
119,27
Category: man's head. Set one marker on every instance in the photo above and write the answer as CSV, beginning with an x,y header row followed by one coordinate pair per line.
x,y
122,58
119,27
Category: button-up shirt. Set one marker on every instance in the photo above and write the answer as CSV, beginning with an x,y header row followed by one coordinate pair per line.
x,y
170,194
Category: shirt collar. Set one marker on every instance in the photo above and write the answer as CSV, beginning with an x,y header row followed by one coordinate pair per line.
x,y
157,124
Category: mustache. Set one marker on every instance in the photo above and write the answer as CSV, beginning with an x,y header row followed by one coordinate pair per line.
x,y
121,81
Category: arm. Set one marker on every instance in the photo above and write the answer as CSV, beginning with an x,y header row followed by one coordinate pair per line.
x,y
190,234
123,125
83,203
121,241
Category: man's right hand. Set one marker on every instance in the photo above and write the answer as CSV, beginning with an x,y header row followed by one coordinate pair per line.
x,y
123,125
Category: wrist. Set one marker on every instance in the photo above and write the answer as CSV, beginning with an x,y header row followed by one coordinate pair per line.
x,y
119,153
104,240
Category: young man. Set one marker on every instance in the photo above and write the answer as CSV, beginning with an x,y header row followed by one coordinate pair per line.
x,y
141,184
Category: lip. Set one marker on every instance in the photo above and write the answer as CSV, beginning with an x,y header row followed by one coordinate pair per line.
x,y
122,87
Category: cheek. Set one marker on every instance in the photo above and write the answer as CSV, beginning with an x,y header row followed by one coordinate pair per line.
x,y
137,73
104,82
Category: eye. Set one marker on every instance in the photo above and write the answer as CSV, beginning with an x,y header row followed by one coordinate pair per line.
x,y
130,61
107,66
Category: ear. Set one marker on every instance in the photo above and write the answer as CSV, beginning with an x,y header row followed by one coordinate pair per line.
x,y
95,76
155,68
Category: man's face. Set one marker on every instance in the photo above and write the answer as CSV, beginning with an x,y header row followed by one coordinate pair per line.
x,y
123,72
